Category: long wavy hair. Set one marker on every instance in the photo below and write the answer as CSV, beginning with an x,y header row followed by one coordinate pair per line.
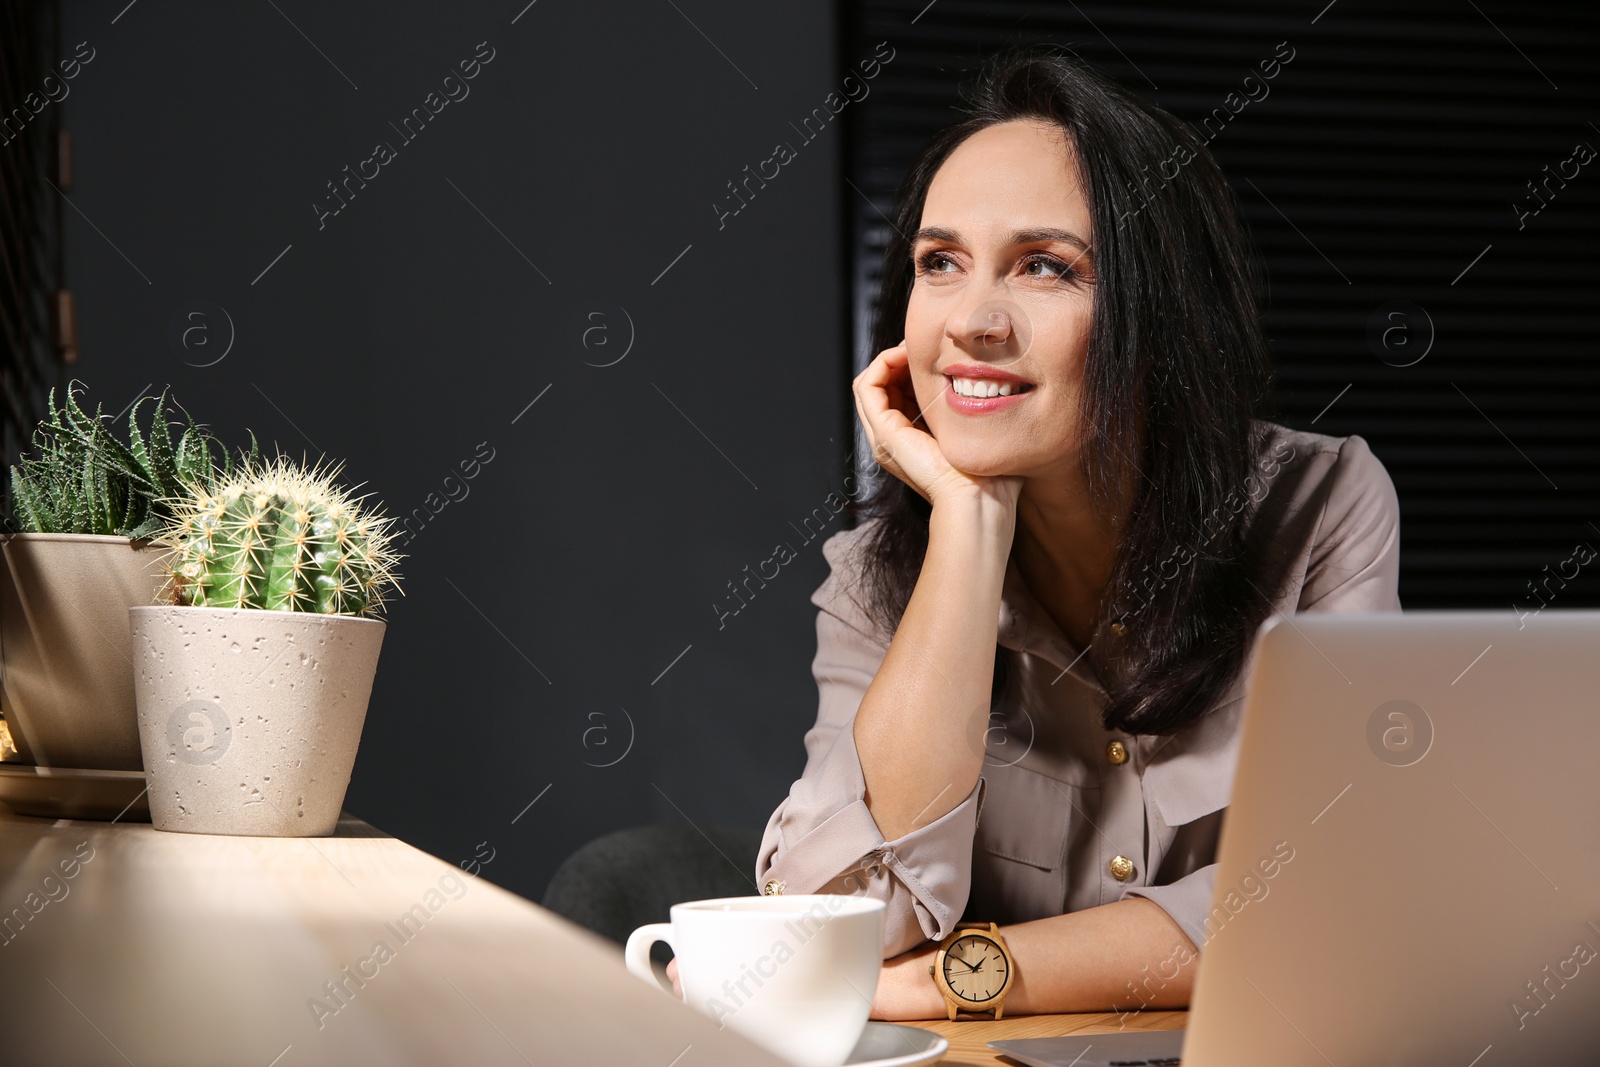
x,y
1176,372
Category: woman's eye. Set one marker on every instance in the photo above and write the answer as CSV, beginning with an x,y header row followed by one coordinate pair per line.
x,y
935,263
1048,267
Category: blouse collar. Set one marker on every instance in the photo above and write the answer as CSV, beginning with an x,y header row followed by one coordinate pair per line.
x,y
1025,626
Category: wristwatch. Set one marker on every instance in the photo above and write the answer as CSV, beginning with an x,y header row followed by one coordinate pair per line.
x,y
973,969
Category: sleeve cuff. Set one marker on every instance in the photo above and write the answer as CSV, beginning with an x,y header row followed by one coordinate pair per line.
x,y
923,877
1187,902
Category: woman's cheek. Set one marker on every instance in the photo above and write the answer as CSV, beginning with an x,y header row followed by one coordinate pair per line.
x,y
926,311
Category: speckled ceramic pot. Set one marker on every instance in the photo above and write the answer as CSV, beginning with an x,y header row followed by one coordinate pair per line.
x,y
249,719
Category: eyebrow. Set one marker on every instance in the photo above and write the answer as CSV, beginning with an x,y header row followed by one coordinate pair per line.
x,y
1018,237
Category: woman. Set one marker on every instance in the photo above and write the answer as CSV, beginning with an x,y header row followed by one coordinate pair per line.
x,y
1047,615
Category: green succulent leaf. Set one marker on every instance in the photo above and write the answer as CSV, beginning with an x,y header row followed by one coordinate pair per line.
x,y
82,509
159,442
80,477
32,504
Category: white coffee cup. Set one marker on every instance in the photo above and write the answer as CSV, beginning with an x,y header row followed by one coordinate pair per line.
x,y
794,974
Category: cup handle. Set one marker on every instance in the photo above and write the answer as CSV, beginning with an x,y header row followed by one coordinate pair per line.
x,y
636,954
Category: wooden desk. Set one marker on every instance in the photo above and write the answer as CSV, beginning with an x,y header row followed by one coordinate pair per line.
x,y
968,1038
181,949
178,949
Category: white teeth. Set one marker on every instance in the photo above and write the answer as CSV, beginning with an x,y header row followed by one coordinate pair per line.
x,y
983,387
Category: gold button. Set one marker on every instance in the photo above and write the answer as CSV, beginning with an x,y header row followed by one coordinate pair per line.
x,y
1121,868
1117,753
773,888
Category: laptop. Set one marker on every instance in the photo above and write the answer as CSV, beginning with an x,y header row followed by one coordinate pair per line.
x,y
1424,789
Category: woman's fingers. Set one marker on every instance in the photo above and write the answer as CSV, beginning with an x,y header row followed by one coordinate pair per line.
x,y
672,973
879,413
900,439
887,407
897,387
873,387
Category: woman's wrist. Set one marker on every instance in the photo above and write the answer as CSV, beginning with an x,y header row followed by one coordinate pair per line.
x,y
969,546
906,991
979,517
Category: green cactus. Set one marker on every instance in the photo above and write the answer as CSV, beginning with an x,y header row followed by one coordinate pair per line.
x,y
281,537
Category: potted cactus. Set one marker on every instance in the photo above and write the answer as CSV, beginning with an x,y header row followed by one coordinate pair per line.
x,y
77,554
252,681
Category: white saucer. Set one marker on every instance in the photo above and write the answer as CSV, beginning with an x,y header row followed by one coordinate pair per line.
x,y
892,1045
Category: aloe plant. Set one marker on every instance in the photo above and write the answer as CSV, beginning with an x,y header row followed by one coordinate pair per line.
x,y
279,536
79,478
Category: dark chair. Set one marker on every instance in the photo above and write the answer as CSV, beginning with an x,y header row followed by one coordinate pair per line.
x,y
627,878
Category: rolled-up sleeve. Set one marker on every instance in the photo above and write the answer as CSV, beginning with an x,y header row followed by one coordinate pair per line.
x,y
822,838
1187,901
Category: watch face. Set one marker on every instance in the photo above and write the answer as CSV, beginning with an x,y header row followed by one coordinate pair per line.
x,y
975,968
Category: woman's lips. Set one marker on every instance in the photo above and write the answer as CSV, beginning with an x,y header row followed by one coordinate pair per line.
x,y
974,405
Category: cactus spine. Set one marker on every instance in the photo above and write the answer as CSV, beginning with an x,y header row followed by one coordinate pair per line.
x,y
280,537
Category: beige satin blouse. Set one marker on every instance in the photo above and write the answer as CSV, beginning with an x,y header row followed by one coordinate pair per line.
x,y
1067,815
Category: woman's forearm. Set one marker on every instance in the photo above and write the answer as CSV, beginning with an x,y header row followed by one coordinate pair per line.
x,y
920,729
1116,957
1126,956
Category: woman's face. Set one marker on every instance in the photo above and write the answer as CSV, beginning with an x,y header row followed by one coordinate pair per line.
x,y
1001,299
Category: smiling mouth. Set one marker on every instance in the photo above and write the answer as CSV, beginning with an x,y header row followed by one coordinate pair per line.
x,y
981,388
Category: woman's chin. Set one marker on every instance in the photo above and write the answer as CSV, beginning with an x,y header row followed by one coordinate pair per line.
x,y
980,462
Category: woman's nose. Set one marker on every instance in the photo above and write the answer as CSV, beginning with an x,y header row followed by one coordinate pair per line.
x,y
994,326
987,323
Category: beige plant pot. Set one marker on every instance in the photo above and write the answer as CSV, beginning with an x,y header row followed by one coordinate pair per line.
x,y
68,670
249,719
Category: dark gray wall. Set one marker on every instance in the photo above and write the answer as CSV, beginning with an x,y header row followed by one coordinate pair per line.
x,y
425,317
